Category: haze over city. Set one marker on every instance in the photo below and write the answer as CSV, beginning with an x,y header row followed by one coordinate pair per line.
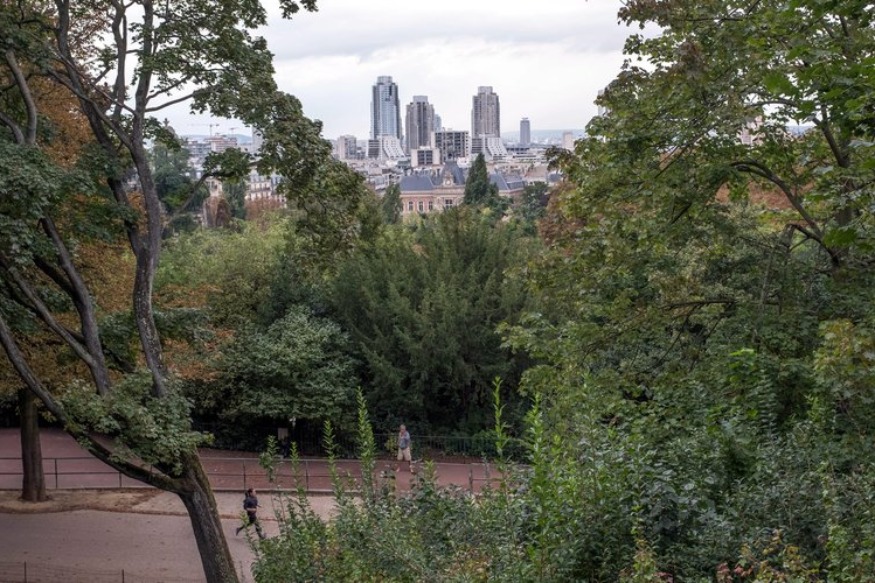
x,y
547,65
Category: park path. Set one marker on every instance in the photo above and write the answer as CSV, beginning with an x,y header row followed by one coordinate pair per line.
x,y
151,541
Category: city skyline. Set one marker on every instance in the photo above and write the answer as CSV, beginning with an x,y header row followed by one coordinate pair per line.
x,y
547,63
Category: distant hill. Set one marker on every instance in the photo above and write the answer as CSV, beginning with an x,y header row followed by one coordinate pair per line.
x,y
543,136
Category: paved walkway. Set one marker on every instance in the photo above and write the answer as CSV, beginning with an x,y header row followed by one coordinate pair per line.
x,y
150,539
151,542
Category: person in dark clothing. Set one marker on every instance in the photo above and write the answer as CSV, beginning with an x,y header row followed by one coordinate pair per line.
x,y
250,505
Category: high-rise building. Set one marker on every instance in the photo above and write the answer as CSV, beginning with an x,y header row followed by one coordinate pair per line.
x,y
525,132
385,109
485,114
452,145
346,148
420,123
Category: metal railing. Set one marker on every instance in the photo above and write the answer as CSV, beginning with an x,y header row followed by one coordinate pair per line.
x,y
238,473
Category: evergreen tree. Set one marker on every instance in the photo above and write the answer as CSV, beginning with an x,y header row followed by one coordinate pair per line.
x,y
423,307
479,191
390,205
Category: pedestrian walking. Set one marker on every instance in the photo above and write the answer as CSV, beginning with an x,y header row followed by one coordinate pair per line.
x,y
250,505
404,448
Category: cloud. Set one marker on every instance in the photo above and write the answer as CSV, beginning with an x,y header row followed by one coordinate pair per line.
x,y
546,61
363,28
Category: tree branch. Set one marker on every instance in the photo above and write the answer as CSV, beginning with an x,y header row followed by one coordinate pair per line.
x,y
121,44
19,363
84,306
167,104
824,127
16,130
758,169
29,103
45,315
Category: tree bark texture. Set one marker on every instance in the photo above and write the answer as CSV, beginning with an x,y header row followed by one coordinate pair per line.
x,y
33,484
198,498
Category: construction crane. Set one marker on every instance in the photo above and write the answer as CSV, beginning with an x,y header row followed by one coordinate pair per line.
x,y
211,125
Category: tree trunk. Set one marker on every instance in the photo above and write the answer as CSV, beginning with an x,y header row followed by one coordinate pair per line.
x,y
33,483
197,495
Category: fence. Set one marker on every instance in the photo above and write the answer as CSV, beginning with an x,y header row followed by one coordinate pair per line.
x,y
24,572
309,442
237,473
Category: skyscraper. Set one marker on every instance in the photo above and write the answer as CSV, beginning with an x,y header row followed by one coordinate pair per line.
x,y
485,114
525,132
420,123
385,109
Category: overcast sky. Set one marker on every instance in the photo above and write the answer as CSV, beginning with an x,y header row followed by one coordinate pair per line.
x,y
546,60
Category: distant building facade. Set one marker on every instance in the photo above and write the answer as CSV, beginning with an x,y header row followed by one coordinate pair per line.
x,y
441,188
386,148
485,113
385,109
346,148
525,132
425,157
432,191
420,123
452,145
492,148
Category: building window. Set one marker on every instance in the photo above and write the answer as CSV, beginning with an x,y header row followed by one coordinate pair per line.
x,y
430,205
421,207
448,202
410,206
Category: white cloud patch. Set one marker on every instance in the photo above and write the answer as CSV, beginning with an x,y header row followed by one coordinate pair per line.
x,y
546,61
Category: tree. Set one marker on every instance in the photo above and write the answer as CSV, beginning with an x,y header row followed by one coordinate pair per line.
x,y
423,307
479,190
235,193
533,203
123,64
701,282
723,70
265,351
175,185
61,138
298,367
390,205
